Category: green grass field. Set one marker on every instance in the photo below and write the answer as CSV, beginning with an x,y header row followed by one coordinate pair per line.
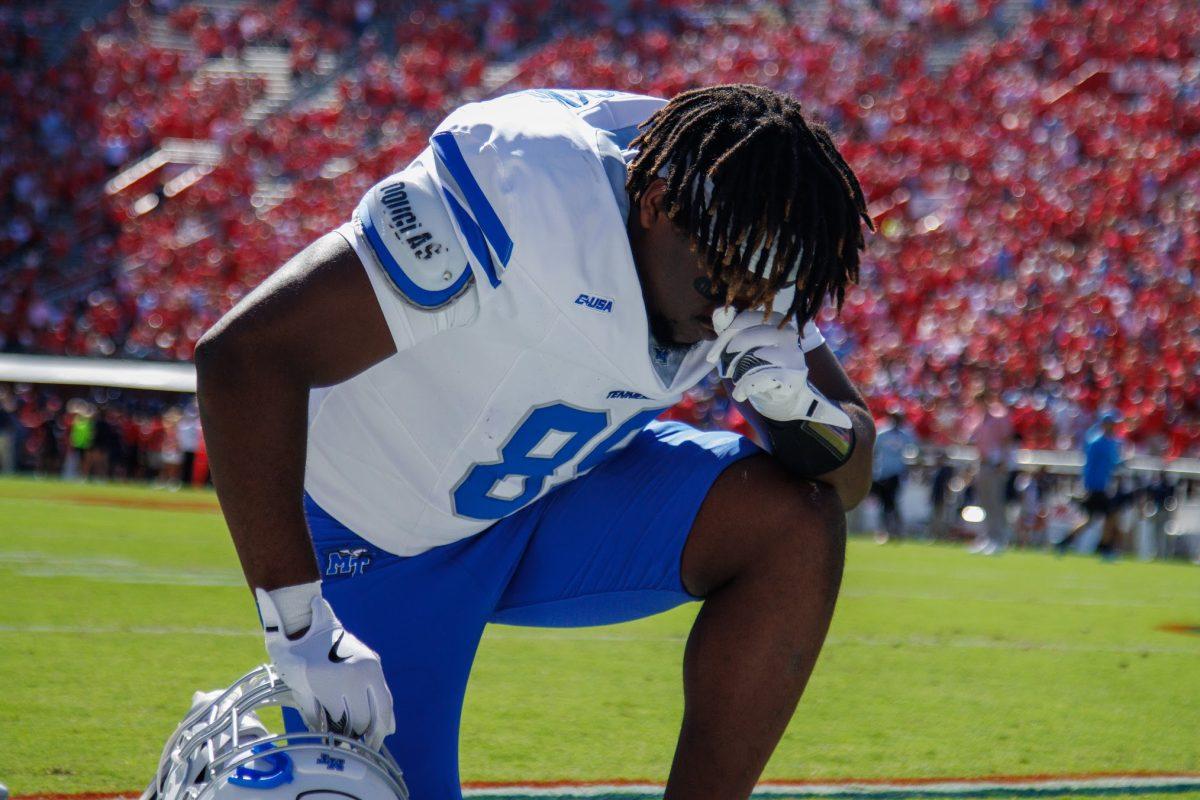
x,y
939,663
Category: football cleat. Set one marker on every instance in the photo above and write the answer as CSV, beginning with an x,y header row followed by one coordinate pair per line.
x,y
222,751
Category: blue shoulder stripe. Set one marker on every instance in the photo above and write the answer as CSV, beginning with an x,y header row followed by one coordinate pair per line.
x,y
447,151
474,236
425,298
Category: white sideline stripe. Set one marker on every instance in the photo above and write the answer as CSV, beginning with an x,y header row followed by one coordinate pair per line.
x,y
160,578
140,630
965,642
34,564
933,787
962,642
1084,602
981,643
38,564
945,788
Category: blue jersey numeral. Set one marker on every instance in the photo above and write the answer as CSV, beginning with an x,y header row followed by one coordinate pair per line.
x,y
625,431
548,438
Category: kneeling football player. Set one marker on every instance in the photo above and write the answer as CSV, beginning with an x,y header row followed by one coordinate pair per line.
x,y
442,414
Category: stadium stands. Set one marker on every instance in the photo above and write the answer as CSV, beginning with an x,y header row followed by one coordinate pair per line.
x,y
1034,177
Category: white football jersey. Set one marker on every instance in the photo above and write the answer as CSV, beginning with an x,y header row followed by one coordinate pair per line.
x,y
501,263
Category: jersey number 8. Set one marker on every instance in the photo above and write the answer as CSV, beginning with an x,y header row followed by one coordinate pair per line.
x,y
549,437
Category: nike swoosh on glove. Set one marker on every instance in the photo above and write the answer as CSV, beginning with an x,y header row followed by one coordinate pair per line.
x,y
768,368
336,680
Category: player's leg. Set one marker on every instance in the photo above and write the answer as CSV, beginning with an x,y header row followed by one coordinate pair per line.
x,y
766,553
763,548
424,615
607,546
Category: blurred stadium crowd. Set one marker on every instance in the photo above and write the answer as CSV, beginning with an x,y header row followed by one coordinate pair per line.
x,y
104,435
1032,168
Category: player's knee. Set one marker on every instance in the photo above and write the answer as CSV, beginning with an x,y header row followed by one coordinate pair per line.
x,y
759,520
812,531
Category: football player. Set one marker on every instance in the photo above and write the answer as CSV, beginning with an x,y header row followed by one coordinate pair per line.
x,y
442,414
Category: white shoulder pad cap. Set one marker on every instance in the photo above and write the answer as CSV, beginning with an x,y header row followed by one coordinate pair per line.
x,y
410,233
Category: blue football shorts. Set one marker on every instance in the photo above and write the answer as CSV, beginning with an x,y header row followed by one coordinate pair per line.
x,y
603,548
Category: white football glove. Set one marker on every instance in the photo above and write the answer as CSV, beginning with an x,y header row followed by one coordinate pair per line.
x,y
336,680
767,368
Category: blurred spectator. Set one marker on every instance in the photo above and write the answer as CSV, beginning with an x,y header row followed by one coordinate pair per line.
x,y
116,434
940,491
187,432
8,434
1102,456
1160,503
1032,489
97,464
892,441
81,432
149,429
990,431
171,455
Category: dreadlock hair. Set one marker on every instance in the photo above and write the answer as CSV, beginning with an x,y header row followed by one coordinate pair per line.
x,y
760,188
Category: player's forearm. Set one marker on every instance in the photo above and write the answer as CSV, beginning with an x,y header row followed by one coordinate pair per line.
x,y
837,457
851,480
255,419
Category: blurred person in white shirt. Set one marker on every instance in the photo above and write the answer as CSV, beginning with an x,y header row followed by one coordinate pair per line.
x,y
990,430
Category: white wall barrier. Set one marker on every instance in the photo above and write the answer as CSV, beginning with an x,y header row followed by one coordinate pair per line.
x,y
74,371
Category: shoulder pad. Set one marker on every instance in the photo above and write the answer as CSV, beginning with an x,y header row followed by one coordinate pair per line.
x,y
407,227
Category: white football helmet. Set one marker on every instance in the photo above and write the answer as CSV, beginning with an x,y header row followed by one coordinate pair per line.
x,y
222,751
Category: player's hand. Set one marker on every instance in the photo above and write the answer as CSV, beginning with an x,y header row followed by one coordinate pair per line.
x,y
336,680
767,368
